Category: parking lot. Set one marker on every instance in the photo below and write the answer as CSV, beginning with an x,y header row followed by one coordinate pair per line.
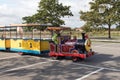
x,y
104,65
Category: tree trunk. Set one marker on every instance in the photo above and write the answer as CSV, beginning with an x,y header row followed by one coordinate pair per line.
x,y
109,31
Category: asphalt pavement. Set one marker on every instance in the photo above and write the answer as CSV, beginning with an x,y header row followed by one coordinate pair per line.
x,y
104,65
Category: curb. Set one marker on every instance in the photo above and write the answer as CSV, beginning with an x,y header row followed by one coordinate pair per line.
x,y
109,41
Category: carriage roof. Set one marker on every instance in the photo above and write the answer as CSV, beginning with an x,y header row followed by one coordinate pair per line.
x,y
28,25
2,26
58,28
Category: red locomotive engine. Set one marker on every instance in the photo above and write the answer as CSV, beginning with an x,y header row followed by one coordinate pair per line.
x,y
75,48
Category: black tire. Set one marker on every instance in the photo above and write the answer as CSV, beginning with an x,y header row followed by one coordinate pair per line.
x,y
61,57
75,59
54,58
21,53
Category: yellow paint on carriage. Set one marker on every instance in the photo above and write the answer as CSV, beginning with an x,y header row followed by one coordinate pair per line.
x,y
7,43
37,45
30,44
44,45
16,43
2,44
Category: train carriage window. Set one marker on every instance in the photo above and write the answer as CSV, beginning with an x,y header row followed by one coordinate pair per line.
x,y
30,45
19,44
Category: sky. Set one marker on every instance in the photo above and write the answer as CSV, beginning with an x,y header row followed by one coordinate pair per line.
x,y
12,11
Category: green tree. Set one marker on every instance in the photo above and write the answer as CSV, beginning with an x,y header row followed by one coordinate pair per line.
x,y
49,11
102,13
118,27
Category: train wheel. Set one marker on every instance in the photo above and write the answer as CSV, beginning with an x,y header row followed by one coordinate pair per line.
x,y
61,57
75,59
54,57
57,57
21,53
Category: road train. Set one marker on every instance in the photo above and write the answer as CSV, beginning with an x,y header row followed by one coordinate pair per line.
x,y
13,39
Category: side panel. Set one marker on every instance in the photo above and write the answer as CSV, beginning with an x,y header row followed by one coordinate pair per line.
x,y
16,45
45,46
2,44
30,46
7,43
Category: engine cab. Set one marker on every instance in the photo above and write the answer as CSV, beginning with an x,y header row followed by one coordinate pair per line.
x,y
80,45
75,48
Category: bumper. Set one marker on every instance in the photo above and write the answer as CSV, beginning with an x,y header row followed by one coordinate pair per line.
x,y
80,55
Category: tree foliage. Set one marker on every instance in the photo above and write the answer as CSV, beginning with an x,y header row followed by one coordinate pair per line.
x,y
118,27
102,13
49,11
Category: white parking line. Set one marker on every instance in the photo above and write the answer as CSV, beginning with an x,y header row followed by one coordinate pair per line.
x,y
100,45
92,66
9,57
85,76
27,66
87,65
18,56
106,46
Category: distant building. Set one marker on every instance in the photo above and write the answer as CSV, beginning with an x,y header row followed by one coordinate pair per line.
x,y
79,29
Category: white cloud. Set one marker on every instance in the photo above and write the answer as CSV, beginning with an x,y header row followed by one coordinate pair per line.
x,y
76,7
12,11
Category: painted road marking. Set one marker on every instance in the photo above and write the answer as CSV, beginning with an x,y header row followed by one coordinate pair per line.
x,y
49,60
9,57
102,44
87,65
26,66
92,66
19,56
85,76
105,46
117,70
109,47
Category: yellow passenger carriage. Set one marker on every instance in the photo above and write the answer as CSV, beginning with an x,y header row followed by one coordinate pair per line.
x,y
4,40
30,44
17,39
